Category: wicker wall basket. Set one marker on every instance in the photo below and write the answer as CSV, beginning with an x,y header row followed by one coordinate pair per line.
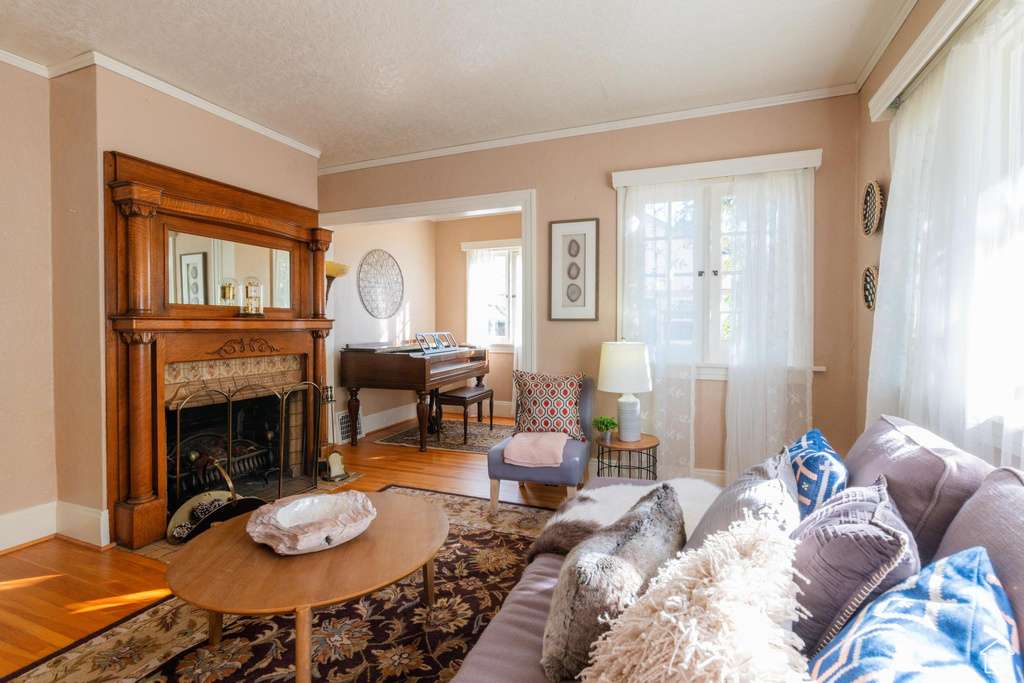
x,y
869,287
873,208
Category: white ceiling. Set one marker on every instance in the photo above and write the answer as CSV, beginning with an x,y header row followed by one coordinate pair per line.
x,y
366,79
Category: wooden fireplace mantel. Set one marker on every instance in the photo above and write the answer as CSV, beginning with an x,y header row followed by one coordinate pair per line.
x,y
144,202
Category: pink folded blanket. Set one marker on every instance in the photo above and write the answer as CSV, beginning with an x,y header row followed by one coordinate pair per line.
x,y
536,449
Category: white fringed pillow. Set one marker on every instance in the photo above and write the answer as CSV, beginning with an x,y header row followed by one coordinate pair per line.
x,y
717,613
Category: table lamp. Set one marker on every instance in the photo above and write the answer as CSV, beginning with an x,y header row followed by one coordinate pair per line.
x,y
625,370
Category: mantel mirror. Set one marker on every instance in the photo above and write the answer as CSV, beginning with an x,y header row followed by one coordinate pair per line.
x,y
209,271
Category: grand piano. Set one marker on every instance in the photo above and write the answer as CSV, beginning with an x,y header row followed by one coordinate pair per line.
x,y
407,367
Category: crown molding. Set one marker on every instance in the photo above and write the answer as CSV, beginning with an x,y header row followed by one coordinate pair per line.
x,y
22,63
87,59
714,110
883,44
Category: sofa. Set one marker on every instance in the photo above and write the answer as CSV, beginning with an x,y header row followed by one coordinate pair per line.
x,y
963,502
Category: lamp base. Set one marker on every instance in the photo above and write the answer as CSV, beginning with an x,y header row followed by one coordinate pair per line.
x,y
629,418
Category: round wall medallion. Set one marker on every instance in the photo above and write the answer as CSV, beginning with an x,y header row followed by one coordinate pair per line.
x,y
869,287
873,208
380,283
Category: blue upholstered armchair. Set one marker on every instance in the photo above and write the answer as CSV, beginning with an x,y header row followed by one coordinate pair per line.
x,y
575,457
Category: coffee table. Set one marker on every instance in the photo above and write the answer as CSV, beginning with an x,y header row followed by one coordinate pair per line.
x,y
225,572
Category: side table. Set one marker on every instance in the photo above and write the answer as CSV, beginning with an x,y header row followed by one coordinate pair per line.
x,y
631,459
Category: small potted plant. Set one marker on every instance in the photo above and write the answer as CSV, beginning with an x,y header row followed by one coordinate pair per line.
x,y
605,425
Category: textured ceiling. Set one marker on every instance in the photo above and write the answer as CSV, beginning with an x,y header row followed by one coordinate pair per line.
x,y
365,79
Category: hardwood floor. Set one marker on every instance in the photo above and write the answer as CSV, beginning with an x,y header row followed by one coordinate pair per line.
x,y
57,591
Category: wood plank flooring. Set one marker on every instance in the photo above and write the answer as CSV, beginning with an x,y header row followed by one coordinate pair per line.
x,y
57,591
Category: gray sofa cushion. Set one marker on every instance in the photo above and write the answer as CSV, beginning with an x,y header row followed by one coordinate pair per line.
x,y
928,477
509,649
604,575
850,550
992,518
767,488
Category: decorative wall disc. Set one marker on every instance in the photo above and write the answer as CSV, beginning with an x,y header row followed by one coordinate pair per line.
x,y
380,283
873,208
869,287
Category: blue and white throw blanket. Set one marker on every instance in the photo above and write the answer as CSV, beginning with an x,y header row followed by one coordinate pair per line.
x,y
951,622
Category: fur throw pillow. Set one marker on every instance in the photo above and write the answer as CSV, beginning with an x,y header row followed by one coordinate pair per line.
x,y
604,574
716,613
595,508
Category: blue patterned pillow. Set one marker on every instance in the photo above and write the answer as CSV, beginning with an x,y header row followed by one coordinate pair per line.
x,y
951,622
820,474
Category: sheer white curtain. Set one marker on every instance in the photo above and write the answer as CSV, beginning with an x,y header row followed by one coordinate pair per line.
x,y
663,241
478,296
946,347
768,400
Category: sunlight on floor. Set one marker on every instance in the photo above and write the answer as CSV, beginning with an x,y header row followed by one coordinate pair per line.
x,y
15,584
141,598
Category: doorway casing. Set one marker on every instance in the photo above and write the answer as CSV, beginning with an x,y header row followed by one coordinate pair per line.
x,y
524,201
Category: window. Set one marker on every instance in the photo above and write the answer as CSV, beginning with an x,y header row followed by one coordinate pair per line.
x,y
694,250
492,285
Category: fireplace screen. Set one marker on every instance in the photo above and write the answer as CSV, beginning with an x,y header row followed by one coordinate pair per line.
x,y
267,439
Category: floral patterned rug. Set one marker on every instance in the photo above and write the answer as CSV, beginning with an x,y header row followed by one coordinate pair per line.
x,y
386,636
479,437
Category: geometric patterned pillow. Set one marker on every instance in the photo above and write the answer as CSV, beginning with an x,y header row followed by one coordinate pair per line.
x,y
548,403
951,622
820,473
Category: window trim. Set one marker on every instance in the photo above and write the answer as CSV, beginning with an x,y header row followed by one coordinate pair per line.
x,y
711,171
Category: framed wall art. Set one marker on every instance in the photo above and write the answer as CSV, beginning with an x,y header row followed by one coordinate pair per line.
x,y
573,281
193,278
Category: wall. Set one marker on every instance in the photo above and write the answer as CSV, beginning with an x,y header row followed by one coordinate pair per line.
x,y
572,180
94,110
412,245
26,351
873,163
451,288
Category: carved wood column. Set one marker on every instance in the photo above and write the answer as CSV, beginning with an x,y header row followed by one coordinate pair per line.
x,y
138,203
143,515
320,243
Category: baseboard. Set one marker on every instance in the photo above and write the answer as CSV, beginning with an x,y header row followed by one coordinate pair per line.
x,y
82,523
716,477
501,409
387,418
25,526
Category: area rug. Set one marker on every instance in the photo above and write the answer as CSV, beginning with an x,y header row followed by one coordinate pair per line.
x,y
480,440
386,636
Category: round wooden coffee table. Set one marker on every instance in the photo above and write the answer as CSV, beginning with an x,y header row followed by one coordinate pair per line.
x,y
225,572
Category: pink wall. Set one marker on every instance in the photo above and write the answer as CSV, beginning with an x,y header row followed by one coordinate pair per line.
x,y
873,163
26,358
572,177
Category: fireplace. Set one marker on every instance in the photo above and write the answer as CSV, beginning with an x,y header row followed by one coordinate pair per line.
x,y
174,331
238,402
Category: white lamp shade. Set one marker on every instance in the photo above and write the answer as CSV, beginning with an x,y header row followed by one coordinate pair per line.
x,y
625,368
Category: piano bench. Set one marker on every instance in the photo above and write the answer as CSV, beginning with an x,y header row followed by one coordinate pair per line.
x,y
465,397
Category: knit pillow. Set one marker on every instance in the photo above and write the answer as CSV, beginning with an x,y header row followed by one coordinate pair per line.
x,y
849,551
604,574
548,403
717,613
